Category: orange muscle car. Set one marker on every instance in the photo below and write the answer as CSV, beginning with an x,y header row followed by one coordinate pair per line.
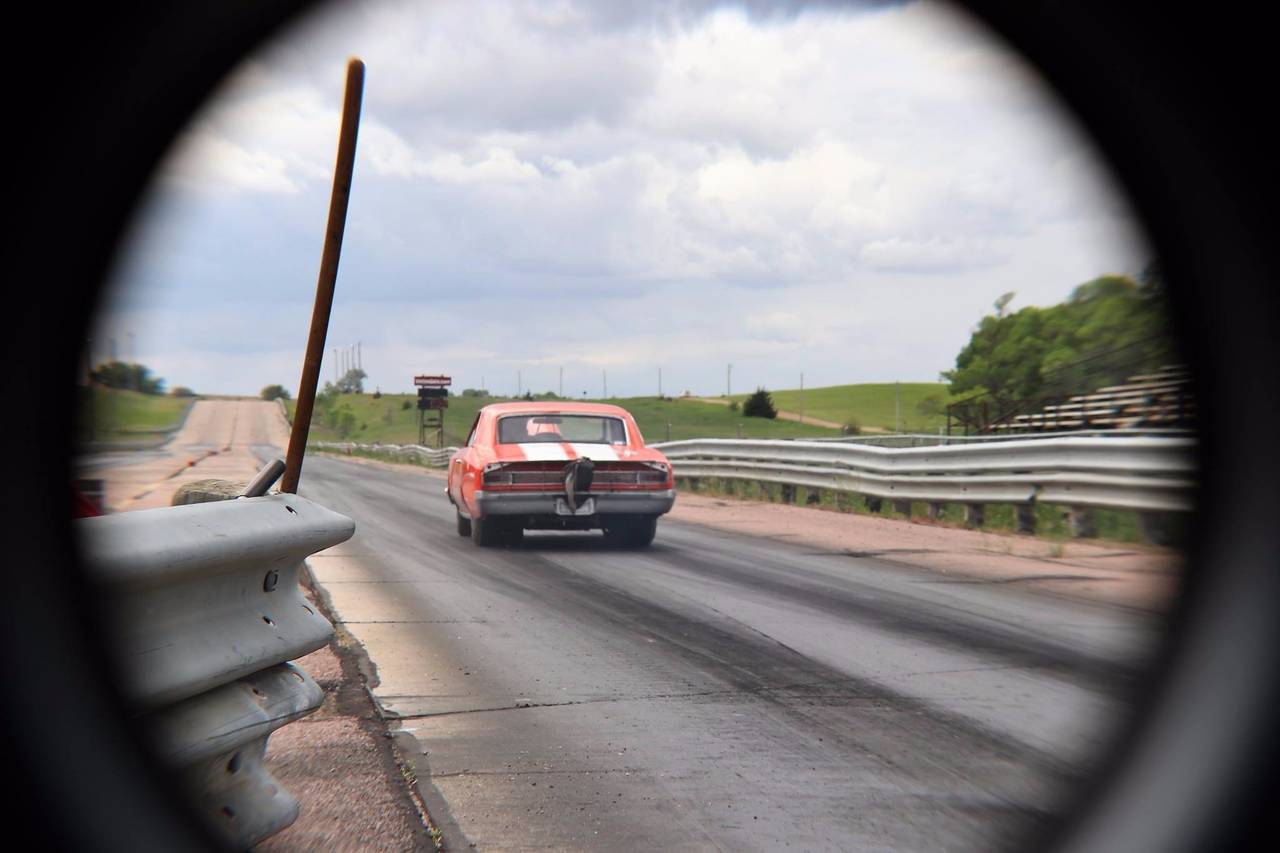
x,y
558,466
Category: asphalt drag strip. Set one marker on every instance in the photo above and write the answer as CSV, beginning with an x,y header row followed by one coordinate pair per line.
x,y
716,690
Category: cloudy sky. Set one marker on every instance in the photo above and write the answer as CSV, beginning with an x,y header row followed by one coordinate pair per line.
x,y
835,190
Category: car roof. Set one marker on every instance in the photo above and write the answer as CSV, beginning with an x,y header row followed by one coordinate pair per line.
x,y
555,407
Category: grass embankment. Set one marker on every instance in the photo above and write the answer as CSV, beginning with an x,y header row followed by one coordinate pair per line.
x,y
1051,521
393,419
868,404
113,415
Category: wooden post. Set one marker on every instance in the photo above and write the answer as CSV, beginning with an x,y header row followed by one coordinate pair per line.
x,y
975,515
328,278
1082,522
1025,517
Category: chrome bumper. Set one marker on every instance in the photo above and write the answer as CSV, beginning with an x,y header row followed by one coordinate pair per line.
x,y
544,503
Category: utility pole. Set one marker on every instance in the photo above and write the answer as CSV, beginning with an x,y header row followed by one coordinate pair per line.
x,y
359,360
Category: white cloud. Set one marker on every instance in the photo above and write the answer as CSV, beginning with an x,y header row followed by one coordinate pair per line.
x,y
211,164
935,254
679,181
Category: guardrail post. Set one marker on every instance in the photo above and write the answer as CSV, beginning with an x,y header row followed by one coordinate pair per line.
x,y
902,508
1157,527
788,493
934,510
1082,523
975,515
812,498
874,505
1025,517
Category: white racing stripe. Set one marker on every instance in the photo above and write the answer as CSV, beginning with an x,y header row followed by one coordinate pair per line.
x,y
596,452
549,451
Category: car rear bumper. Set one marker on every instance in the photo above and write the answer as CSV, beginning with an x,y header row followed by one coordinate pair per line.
x,y
544,503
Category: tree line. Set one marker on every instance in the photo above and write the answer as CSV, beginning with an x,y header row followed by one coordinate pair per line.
x,y
1107,330
127,376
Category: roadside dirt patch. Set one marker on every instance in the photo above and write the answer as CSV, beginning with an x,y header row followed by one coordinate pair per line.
x,y
1142,577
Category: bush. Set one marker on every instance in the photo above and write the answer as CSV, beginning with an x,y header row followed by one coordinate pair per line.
x,y
733,406
851,428
405,404
131,377
274,392
182,391
759,405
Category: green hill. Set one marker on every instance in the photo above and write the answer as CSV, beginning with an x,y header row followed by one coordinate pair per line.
x,y
868,404
114,415
393,419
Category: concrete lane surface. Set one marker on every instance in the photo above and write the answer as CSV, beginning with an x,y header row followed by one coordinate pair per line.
x,y
717,691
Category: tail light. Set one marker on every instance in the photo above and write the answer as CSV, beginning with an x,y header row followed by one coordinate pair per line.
x,y
543,476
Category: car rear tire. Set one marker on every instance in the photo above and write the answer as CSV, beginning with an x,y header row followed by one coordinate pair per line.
x,y
631,531
485,532
492,532
464,524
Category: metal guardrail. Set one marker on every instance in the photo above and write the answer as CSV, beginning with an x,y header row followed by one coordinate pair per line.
x,y
431,456
1148,474
929,440
205,610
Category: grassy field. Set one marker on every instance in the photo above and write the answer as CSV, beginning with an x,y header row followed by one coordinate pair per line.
x,y
393,419
868,404
108,414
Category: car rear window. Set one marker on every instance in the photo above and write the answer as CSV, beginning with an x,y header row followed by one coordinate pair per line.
x,y
581,429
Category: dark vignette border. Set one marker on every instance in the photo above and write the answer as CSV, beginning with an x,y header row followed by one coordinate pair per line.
x,y
1176,98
